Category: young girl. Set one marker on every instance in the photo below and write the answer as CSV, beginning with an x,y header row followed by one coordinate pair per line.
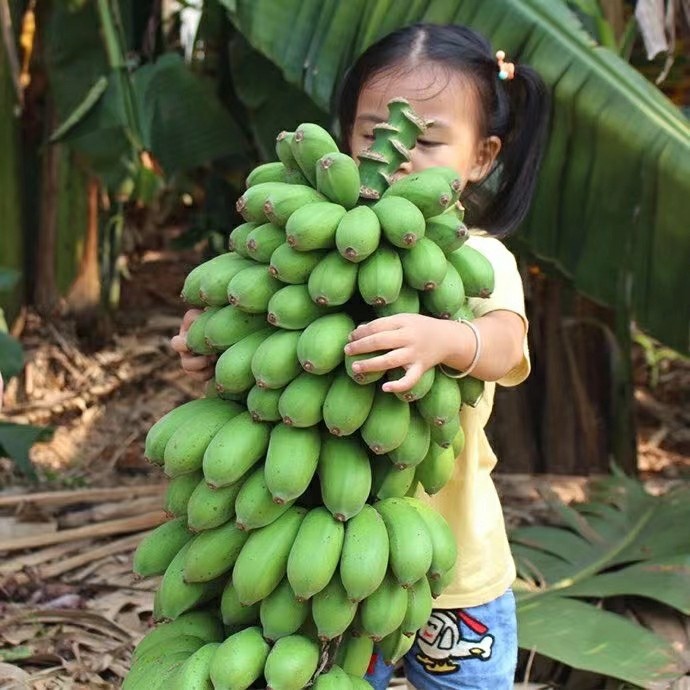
x,y
489,119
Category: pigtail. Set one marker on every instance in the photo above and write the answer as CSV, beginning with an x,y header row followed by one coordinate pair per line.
x,y
521,153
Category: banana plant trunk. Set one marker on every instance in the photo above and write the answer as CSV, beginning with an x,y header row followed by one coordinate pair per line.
x,y
574,415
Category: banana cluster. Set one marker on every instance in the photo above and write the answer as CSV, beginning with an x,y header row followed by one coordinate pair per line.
x,y
295,542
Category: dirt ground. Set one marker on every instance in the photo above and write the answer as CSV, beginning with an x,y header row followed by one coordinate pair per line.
x,y
70,608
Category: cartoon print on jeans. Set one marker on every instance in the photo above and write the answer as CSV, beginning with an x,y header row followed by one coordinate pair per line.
x,y
442,644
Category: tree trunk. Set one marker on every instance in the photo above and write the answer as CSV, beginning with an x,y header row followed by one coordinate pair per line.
x,y
574,413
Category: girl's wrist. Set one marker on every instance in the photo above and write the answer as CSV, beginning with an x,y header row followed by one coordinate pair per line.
x,y
460,346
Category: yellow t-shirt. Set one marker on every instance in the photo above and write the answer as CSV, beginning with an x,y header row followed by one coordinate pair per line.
x,y
469,502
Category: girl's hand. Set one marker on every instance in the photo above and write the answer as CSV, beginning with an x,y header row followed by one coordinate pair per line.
x,y
414,342
199,367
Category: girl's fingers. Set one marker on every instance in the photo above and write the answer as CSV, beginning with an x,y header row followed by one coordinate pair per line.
x,y
203,375
412,375
195,363
391,360
385,323
179,344
385,340
188,319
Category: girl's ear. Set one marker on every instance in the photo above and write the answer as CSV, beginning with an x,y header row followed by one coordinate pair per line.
x,y
487,152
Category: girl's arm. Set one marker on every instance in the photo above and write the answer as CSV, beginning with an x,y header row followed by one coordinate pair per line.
x,y
417,343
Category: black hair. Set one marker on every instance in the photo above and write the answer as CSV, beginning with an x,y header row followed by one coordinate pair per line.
x,y
514,110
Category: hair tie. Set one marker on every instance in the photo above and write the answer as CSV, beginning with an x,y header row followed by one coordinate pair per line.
x,y
506,70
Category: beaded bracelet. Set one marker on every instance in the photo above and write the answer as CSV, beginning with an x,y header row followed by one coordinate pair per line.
x,y
477,353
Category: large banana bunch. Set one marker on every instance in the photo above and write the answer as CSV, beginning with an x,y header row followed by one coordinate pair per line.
x,y
295,542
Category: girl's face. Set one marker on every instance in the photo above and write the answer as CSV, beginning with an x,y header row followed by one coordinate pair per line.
x,y
454,138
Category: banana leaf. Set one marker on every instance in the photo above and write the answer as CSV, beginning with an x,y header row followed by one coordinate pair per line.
x,y
610,210
621,542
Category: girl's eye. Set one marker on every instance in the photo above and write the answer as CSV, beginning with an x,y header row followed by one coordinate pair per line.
x,y
427,143
368,137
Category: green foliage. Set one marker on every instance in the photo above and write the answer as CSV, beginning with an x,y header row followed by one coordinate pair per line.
x,y
610,205
621,542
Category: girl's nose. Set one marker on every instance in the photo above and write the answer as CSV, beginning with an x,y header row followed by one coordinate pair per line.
x,y
404,169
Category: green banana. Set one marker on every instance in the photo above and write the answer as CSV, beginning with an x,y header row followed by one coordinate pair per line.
x,y
380,277
262,404
337,178
282,203
471,390
229,325
447,297
386,426
251,204
465,312
401,221
275,172
213,552
320,347
255,507
284,150
458,444
347,404
333,281
175,595
447,231
444,545
364,558
435,471
445,434
240,660
475,270
411,549
424,265
195,338
345,476
419,607
201,624
360,378
293,267
335,679
310,143
358,234
275,362
440,583
319,533
420,389
195,674
357,682
383,611
185,449
233,613
407,303
237,241
262,563
235,449
157,549
159,434
393,647
388,480
209,507
442,402
291,460
209,272
332,610
162,667
292,308
416,444
291,663
313,226
262,241
252,288
428,191
178,493
449,175
233,370
213,286
301,402
354,654
281,612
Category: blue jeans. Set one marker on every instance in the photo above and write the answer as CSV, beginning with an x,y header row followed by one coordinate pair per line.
x,y
464,649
